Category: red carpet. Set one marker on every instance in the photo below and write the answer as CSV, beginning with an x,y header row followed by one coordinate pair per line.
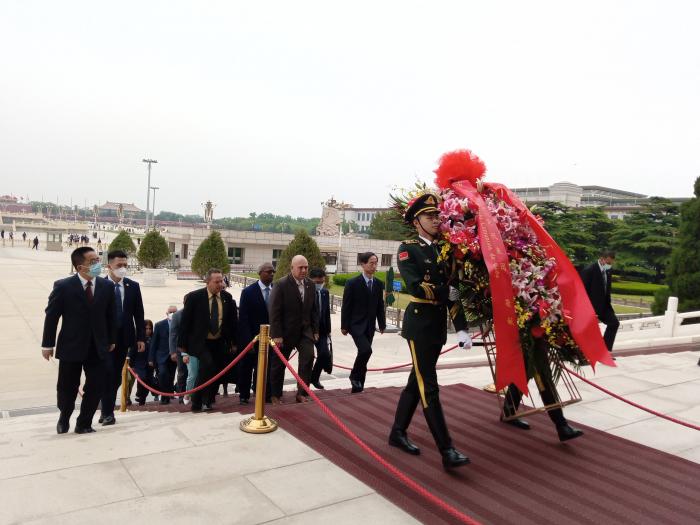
x,y
516,476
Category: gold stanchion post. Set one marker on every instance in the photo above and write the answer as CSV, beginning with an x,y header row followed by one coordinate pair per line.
x,y
260,423
125,385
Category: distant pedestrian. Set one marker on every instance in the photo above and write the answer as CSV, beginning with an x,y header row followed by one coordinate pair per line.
x,y
24,236
36,243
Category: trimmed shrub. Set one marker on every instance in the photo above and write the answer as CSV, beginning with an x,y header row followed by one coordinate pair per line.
x,y
153,251
301,244
124,242
211,254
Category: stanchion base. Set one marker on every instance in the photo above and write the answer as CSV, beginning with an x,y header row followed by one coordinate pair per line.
x,y
258,426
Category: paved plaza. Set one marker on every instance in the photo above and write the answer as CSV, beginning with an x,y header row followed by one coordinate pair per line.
x,y
190,468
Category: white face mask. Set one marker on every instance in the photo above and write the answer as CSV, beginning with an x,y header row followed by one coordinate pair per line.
x,y
169,315
120,273
606,267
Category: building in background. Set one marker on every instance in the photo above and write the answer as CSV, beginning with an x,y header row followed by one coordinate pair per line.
x,y
616,203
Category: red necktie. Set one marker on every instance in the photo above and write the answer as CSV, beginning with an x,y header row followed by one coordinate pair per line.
x,y
88,291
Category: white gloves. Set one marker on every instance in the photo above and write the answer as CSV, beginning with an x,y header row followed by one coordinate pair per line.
x,y
464,340
454,294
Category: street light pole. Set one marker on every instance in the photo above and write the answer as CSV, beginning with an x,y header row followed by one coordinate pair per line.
x,y
153,222
148,188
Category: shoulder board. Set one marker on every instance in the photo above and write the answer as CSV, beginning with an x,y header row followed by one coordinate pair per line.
x,y
411,241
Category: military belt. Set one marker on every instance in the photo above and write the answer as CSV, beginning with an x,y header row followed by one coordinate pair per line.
x,y
424,301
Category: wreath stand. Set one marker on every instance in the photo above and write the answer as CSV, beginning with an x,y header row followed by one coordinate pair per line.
x,y
565,391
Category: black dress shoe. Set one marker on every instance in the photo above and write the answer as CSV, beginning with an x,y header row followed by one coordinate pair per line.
x,y
181,400
244,401
84,430
451,458
356,386
109,420
318,386
196,408
206,407
567,432
62,427
165,400
399,439
102,418
518,423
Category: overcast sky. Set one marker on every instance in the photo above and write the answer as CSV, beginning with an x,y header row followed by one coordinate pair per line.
x,y
276,106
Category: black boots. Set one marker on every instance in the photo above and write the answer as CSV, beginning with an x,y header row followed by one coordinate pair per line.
x,y
404,413
451,458
567,432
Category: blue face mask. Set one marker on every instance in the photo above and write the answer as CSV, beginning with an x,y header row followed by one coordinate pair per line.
x,y
319,287
95,269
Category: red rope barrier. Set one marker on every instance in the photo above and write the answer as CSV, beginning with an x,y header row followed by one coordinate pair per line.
x,y
393,367
203,385
616,396
391,468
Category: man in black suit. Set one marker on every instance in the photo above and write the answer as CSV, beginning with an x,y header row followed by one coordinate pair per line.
x,y
293,324
208,331
597,278
323,353
160,356
85,303
128,306
252,313
363,308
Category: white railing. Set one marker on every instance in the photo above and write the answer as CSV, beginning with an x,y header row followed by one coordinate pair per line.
x,y
670,328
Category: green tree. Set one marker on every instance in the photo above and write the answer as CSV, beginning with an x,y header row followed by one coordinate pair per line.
x,y
211,254
645,238
580,232
684,269
389,226
124,242
153,251
301,244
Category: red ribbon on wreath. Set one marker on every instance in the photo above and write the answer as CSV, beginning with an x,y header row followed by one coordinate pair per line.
x,y
461,171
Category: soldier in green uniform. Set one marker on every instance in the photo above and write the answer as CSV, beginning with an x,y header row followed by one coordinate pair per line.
x,y
425,329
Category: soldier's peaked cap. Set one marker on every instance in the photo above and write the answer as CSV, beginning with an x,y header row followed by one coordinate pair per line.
x,y
425,203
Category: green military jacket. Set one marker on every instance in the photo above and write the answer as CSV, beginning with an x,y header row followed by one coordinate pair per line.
x,y
427,280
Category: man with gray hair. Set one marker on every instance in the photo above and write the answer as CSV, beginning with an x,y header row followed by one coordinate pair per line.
x,y
253,312
208,331
294,323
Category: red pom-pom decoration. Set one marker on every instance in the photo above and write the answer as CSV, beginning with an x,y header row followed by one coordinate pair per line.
x,y
458,165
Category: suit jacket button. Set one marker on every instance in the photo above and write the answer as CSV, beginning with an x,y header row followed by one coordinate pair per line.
x,y
415,310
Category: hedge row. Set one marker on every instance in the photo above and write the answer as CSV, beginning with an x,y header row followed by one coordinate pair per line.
x,y
341,278
635,288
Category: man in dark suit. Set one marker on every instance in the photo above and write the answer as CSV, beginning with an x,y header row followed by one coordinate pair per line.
x,y
323,353
128,307
293,324
363,309
597,278
159,355
208,331
252,313
85,303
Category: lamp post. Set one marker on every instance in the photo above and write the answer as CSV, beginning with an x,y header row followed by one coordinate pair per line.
x,y
154,188
148,188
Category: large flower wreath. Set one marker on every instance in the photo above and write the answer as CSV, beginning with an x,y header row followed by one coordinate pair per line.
x,y
510,272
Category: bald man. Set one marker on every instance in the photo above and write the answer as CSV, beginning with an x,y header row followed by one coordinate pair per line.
x,y
294,323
